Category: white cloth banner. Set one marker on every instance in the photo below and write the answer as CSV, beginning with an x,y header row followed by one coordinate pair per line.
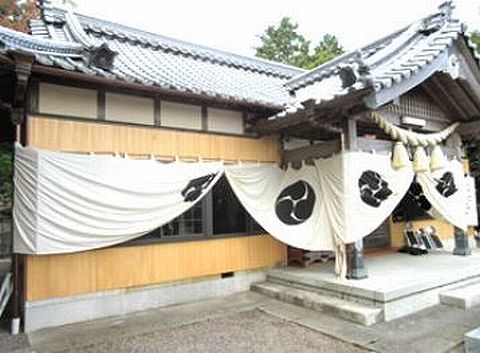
x,y
287,204
339,200
471,201
69,202
360,191
445,189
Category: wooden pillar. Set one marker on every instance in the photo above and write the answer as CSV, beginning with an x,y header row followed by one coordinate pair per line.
x,y
23,66
354,251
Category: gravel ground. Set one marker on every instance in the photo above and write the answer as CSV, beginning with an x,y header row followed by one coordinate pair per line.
x,y
9,342
250,331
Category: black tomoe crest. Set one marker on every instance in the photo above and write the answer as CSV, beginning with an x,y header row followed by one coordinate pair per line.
x,y
295,203
446,185
195,187
373,189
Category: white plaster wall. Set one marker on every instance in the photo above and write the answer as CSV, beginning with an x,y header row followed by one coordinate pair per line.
x,y
221,120
64,100
129,109
179,115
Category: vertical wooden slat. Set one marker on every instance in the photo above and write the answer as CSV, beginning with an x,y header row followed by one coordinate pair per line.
x,y
92,136
61,275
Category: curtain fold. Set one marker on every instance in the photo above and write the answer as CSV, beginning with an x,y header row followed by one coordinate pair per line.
x,y
445,189
69,202
287,204
338,200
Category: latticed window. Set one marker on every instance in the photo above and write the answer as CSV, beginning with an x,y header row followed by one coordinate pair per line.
x,y
218,214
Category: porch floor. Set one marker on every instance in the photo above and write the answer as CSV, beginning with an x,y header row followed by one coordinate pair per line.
x,y
390,275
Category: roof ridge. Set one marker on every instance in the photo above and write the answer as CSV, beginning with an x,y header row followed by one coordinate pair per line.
x,y
94,24
427,23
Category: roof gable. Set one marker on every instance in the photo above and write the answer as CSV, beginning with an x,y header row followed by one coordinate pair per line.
x,y
389,67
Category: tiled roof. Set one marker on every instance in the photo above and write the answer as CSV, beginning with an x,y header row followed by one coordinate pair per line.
x,y
68,41
381,66
65,40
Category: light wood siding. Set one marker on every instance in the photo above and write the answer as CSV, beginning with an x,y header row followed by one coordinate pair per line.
x,y
222,120
64,100
83,136
50,276
179,115
129,109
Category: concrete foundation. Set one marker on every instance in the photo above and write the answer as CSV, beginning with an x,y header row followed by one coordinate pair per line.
x,y
60,311
399,284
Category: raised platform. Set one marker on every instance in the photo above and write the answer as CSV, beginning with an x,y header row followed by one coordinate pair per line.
x,y
398,284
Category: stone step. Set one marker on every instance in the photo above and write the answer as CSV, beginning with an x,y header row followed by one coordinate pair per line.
x,y
359,313
463,297
472,341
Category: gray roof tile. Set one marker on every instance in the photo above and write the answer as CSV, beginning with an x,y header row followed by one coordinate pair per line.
x,y
64,40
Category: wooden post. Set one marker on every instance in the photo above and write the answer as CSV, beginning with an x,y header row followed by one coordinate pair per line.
x,y
355,264
23,66
16,310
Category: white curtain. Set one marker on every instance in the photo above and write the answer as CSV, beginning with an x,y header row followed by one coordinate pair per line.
x,y
339,200
445,189
69,202
363,189
287,204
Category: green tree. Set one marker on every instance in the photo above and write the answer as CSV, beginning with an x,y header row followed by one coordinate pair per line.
x,y
284,44
6,171
326,50
475,36
15,14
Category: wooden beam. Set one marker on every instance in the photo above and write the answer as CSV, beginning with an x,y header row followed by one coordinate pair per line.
x,y
101,104
318,150
157,111
470,129
439,87
321,112
350,134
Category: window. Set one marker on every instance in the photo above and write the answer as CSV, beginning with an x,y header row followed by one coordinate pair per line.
x,y
219,213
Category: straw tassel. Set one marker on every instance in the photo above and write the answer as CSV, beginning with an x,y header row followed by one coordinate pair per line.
x,y
420,160
437,158
400,158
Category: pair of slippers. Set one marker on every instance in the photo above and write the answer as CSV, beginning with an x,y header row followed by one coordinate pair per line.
x,y
412,251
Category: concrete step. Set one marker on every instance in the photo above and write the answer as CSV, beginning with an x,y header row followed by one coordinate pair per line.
x,y
463,297
359,313
472,341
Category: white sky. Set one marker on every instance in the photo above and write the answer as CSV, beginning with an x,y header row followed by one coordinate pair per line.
x,y
234,25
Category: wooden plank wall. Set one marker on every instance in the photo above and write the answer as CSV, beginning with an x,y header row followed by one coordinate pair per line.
x,y
83,136
50,276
